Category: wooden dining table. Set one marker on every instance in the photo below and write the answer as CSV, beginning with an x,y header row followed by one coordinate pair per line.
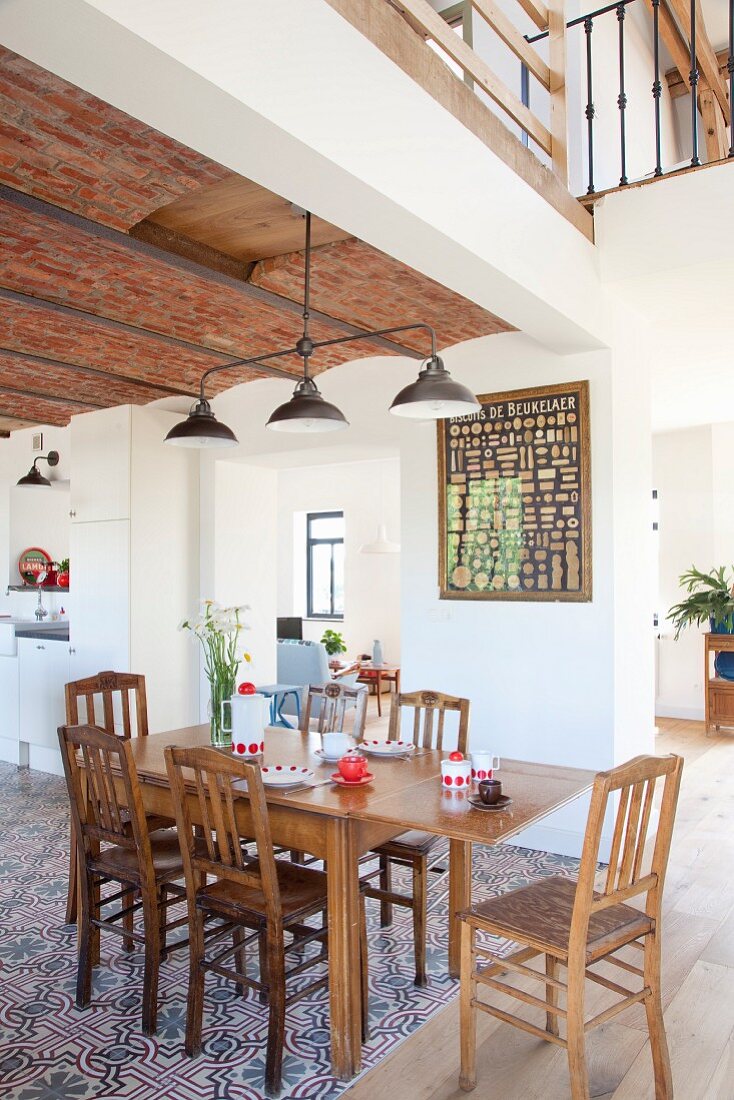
x,y
339,825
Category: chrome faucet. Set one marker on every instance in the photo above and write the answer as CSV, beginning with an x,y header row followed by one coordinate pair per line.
x,y
40,611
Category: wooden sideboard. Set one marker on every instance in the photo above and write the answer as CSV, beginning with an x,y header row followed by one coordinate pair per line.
x,y
719,692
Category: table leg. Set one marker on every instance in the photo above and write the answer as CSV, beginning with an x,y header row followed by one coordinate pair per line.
x,y
460,852
378,689
344,962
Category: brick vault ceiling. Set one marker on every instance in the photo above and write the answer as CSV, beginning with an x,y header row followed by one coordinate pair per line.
x,y
91,317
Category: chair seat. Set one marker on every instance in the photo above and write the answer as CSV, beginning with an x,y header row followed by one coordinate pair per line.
x,y
540,915
302,891
124,862
412,843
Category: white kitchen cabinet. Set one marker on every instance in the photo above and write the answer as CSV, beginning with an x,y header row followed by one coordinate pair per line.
x,y
43,667
134,553
9,746
99,628
100,465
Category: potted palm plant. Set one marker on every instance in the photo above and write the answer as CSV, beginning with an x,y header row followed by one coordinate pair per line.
x,y
710,598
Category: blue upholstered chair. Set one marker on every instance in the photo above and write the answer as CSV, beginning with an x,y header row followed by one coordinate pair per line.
x,y
306,664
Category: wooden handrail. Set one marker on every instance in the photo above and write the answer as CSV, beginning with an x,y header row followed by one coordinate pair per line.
x,y
513,39
559,117
420,13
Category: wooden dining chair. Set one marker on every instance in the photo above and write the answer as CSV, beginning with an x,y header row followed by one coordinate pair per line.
x,y
328,706
104,701
114,845
269,898
415,849
576,927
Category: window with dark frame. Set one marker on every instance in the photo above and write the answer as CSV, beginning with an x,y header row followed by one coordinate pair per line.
x,y
325,565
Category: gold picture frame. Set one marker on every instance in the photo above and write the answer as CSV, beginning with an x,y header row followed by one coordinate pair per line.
x,y
514,497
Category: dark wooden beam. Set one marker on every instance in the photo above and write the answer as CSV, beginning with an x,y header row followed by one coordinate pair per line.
x,y
160,236
188,266
105,375
54,399
111,323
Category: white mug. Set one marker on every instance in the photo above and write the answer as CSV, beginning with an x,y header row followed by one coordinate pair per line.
x,y
336,744
483,765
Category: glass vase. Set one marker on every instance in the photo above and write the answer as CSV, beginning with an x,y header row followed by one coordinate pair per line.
x,y
220,715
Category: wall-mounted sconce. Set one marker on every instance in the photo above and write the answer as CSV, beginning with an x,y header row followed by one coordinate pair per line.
x,y
34,479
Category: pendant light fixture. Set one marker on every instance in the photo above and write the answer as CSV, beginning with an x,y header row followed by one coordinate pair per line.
x,y
433,396
380,545
34,479
307,411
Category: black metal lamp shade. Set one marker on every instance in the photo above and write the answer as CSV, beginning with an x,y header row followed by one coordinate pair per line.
x,y
307,411
434,395
201,429
34,479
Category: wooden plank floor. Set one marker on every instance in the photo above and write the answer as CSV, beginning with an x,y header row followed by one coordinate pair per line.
x,y
698,971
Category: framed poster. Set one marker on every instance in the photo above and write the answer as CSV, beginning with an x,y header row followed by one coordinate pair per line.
x,y
514,497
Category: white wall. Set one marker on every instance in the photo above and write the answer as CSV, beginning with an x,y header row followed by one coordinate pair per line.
x,y
692,473
368,493
238,556
547,681
164,568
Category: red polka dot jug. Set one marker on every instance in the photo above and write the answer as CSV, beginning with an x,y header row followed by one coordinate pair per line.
x,y
456,774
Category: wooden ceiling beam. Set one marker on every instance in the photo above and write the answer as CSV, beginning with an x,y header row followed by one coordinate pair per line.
x,y
54,399
111,323
96,372
188,266
678,86
160,236
705,55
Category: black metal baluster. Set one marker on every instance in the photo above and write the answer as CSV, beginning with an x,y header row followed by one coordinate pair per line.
x,y
657,87
588,28
525,94
730,67
693,77
622,97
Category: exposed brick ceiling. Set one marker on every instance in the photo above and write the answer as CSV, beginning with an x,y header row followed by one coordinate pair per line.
x,y
87,319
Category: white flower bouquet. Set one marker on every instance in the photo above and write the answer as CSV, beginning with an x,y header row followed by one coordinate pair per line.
x,y
218,631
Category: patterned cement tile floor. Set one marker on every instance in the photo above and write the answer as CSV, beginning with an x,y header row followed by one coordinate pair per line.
x,y
49,1050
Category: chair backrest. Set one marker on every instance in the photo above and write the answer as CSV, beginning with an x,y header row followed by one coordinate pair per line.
x,y
216,783
112,798
629,873
426,705
99,694
332,702
302,663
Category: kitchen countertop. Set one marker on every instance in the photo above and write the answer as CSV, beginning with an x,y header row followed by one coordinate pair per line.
x,y
54,632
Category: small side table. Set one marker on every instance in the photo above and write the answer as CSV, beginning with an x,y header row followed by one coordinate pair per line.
x,y
278,693
375,674
719,692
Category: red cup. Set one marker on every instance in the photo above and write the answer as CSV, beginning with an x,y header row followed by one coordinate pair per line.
x,y
352,767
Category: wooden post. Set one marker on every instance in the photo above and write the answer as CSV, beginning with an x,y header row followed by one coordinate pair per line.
x,y
557,64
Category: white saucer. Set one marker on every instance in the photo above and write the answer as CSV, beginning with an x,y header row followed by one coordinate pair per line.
x,y
326,757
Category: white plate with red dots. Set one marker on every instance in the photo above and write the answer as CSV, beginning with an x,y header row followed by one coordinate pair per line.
x,y
285,775
387,748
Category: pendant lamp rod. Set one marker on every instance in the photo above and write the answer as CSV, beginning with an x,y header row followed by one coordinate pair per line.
x,y
279,372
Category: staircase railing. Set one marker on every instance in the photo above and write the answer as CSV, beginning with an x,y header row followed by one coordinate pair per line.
x,y
697,69
676,24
